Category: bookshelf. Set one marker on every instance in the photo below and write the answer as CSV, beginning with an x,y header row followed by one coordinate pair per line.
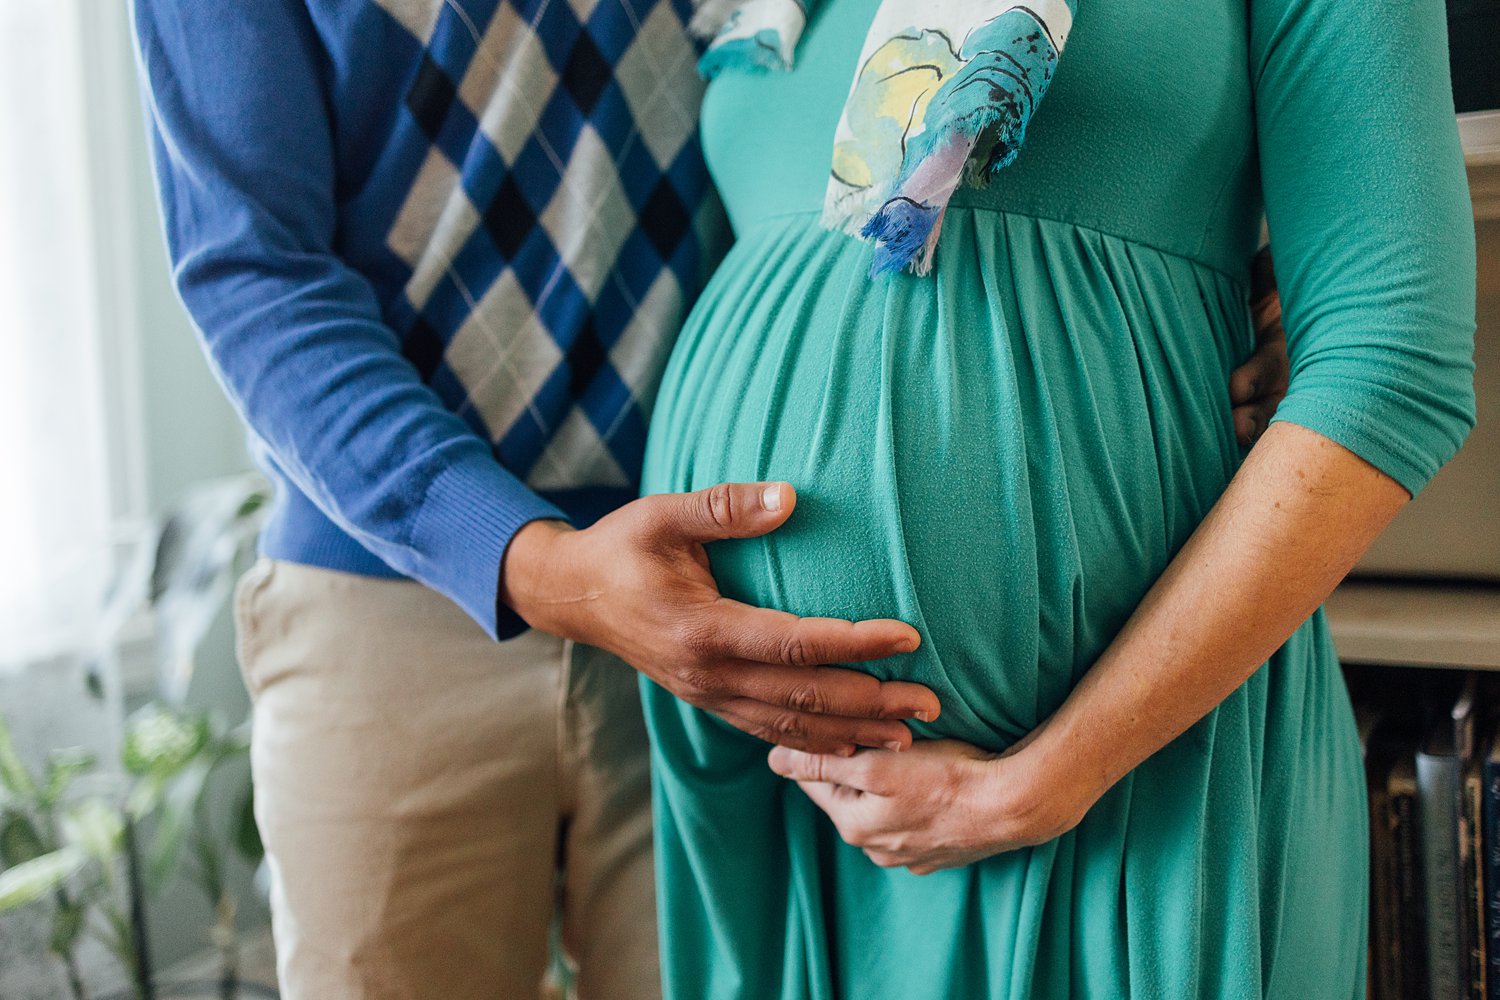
x,y
1480,133
1416,623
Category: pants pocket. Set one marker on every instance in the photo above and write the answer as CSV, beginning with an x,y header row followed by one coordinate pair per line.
x,y
248,625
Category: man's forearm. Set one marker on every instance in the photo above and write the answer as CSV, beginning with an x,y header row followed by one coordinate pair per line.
x,y
1294,520
246,166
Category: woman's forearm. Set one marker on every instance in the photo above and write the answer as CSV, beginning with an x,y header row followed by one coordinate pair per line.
x,y
1294,520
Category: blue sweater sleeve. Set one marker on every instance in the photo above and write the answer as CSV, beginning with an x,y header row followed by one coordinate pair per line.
x,y
245,169
1371,226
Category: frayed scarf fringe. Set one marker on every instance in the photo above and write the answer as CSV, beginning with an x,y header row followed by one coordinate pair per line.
x,y
901,242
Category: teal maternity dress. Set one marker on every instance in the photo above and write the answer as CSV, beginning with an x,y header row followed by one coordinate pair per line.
x,y
1008,452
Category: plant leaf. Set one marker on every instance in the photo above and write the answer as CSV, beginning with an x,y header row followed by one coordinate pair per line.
x,y
67,925
246,832
13,774
177,814
62,767
94,827
237,740
160,742
20,841
145,796
202,545
36,879
211,860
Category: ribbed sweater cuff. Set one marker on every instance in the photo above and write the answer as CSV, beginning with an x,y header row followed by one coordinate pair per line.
x,y
470,513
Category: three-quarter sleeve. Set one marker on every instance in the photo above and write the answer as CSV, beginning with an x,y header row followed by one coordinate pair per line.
x,y
1371,226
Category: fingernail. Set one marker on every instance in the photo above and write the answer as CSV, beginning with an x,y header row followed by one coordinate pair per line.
x,y
771,498
893,746
921,715
846,751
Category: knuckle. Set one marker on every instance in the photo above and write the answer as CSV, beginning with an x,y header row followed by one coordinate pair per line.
x,y
789,724
720,502
697,679
806,698
696,638
762,732
797,651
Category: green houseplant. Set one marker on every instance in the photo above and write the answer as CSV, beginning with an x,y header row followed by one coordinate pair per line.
x,y
74,850
71,836
64,849
173,759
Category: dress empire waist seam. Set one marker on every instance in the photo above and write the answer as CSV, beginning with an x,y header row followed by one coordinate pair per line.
x,y
1239,280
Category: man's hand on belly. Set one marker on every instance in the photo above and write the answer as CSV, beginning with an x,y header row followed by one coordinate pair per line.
x,y
637,583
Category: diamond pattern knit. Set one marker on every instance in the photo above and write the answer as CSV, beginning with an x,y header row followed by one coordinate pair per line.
x,y
437,252
549,231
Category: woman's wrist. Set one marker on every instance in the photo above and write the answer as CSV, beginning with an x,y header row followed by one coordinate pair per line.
x,y
1041,790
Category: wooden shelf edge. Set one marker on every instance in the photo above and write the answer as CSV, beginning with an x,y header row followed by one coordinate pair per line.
x,y
1416,624
1479,131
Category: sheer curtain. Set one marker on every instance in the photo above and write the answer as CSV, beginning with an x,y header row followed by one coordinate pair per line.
x,y
56,507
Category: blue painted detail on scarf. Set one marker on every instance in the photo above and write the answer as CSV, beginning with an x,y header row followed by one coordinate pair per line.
x,y
900,229
761,52
1008,67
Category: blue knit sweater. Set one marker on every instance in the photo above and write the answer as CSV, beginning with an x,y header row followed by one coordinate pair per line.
x,y
436,252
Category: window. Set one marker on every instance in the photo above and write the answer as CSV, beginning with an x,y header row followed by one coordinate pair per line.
x,y
66,426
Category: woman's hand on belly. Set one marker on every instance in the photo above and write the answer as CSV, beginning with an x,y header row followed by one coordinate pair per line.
x,y
941,804
637,584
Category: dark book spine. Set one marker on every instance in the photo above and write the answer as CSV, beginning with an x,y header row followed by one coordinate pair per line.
x,y
1472,889
1385,976
1464,717
1437,783
1492,872
1411,906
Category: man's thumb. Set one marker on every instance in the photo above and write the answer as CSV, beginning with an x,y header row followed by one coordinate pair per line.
x,y
728,510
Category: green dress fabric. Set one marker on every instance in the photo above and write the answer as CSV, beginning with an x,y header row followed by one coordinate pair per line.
x,y
1008,452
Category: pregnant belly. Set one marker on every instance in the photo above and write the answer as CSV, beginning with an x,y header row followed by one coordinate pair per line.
x,y
1005,454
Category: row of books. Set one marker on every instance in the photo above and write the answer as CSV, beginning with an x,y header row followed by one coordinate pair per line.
x,y
1432,758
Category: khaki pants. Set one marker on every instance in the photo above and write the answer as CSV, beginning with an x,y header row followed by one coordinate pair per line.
x,y
428,796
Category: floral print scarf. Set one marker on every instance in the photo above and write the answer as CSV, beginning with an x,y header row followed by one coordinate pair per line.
x,y
941,97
